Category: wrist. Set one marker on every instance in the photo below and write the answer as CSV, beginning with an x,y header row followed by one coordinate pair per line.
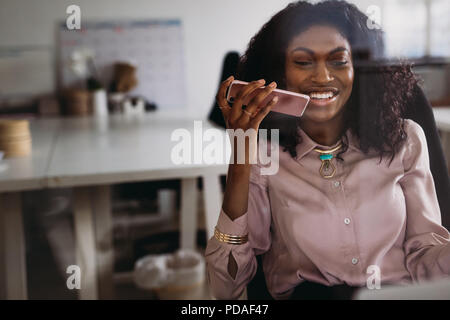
x,y
240,168
244,145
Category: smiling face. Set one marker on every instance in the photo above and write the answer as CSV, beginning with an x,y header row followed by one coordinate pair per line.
x,y
319,64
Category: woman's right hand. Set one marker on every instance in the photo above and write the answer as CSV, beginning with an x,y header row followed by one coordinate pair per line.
x,y
250,118
235,199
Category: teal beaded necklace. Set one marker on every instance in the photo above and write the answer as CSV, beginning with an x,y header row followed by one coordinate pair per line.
x,y
327,169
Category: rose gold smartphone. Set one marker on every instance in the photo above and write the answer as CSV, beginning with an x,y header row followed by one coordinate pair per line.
x,y
290,103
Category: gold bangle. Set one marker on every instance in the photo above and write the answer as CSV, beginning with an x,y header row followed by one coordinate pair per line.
x,y
227,238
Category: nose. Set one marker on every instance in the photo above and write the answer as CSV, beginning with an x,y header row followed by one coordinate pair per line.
x,y
321,74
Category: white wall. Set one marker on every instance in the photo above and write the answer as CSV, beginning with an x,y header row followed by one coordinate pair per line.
x,y
211,28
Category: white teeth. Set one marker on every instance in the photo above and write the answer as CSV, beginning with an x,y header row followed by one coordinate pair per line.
x,y
321,95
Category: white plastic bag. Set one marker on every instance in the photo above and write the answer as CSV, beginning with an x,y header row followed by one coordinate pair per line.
x,y
172,276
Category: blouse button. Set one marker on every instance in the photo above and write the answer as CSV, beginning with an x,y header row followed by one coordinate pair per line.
x,y
347,221
336,184
354,261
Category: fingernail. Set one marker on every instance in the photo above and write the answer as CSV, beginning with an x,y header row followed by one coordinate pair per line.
x,y
261,80
272,85
229,78
275,99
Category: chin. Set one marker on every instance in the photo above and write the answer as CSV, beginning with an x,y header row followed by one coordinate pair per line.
x,y
319,116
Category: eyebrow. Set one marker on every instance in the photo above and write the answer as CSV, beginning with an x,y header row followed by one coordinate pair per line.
x,y
338,49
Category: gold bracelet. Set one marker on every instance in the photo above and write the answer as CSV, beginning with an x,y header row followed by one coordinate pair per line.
x,y
227,238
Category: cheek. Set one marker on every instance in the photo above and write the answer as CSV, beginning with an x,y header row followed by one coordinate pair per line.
x,y
347,79
294,79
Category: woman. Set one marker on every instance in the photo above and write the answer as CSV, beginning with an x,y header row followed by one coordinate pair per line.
x,y
353,192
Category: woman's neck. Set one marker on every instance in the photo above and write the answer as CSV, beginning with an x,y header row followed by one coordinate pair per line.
x,y
325,133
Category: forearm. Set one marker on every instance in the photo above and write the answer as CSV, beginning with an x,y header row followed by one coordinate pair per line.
x,y
235,202
231,267
429,263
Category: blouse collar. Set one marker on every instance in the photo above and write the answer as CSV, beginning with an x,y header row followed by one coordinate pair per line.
x,y
308,144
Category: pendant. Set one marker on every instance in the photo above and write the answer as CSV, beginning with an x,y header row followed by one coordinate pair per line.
x,y
327,169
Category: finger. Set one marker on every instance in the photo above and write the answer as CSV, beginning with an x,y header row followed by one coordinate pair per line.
x,y
221,96
256,101
221,99
245,115
240,98
225,113
264,111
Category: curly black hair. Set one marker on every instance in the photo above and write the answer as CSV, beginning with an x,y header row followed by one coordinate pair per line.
x,y
381,89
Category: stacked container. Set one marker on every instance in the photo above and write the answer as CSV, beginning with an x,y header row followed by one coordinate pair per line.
x,y
15,137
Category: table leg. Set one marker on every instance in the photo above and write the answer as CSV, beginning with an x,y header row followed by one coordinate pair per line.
x,y
101,205
13,273
85,242
188,214
212,194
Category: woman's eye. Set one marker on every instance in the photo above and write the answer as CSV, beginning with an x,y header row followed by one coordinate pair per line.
x,y
303,63
339,63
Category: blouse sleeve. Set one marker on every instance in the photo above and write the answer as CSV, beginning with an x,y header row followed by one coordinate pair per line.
x,y
256,222
427,242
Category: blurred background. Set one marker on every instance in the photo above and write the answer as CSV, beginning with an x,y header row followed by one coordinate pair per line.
x,y
87,178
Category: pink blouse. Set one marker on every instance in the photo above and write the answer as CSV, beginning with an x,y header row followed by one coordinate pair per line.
x,y
330,231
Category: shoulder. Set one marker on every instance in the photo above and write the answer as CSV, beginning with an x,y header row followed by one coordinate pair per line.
x,y
415,147
415,135
414,129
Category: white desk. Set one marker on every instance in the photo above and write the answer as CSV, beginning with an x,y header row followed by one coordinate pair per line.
x,y
442,117
91,154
